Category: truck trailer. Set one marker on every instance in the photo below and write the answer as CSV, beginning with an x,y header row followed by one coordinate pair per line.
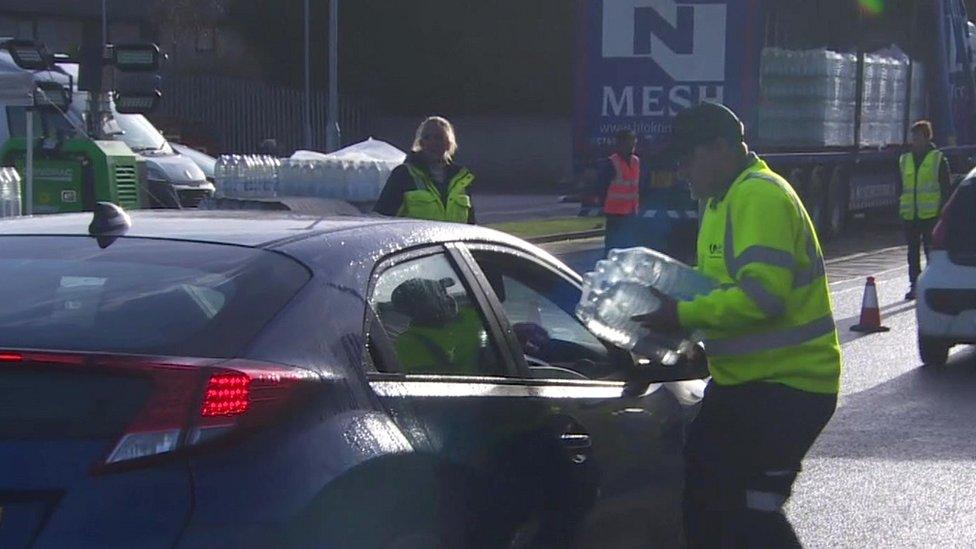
x,y
826,89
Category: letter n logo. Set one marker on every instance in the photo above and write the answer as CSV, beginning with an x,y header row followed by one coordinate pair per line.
x,y
686,40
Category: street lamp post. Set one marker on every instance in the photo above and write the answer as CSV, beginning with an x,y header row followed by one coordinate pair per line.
x,y
333,132
308,84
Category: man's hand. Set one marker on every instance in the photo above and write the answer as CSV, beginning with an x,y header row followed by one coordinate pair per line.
x,y
664,319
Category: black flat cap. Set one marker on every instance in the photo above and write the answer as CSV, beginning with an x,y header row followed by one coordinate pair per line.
x,y
702,124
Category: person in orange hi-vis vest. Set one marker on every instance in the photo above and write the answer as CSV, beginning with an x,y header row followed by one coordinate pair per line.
x,y
619,181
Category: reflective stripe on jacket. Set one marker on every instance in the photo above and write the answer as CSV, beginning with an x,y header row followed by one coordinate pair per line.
x,y
920,194
425,201
623,194
771,319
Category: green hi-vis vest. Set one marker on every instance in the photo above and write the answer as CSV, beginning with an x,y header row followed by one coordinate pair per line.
x,y
425,201
770,320
920,193
450,349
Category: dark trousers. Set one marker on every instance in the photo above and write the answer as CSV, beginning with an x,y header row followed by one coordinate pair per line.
x,y
918,231
619,232
742,455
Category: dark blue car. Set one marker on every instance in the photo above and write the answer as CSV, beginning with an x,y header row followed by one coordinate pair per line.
x,y
218,379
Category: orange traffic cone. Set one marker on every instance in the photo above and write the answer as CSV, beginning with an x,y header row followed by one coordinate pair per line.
x,y
870,313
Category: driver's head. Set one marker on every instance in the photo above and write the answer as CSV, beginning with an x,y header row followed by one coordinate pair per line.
x,y
425,301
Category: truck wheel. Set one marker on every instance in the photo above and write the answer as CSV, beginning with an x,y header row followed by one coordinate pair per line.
x,y
933,351
798,179
814,197
837,202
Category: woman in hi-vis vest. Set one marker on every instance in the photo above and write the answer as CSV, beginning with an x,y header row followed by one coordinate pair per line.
x,y
429,185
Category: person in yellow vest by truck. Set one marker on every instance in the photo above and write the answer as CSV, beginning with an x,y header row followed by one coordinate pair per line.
x,y
429,185
770,338
924,188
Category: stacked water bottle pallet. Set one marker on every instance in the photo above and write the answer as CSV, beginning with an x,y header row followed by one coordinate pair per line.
x,y
254,176
809,97
10,202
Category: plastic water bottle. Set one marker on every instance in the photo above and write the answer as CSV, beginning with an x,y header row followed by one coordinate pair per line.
x,y
10,201
220,175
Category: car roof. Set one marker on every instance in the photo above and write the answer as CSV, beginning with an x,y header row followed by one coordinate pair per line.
x,y
301,236
237,227
257,228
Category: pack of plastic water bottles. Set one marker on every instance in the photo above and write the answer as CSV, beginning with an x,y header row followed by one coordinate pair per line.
x,y
10,200
619,288
355,174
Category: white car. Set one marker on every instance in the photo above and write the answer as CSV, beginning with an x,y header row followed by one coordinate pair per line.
x,y
946,307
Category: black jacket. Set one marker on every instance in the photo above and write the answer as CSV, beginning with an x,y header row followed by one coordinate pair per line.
x,y
400,181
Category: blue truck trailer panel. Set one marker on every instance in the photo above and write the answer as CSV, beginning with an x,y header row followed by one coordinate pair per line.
x,y
639,62
642,61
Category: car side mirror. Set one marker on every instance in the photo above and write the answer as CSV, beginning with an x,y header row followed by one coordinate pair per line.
x,y
692,366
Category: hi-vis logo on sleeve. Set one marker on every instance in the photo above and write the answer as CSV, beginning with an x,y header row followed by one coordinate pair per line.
x,y
687,40
715,250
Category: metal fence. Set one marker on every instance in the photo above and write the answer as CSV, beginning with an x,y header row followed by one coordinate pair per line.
x,y
236,115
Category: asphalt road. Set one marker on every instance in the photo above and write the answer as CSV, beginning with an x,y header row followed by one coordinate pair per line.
x,y
896,466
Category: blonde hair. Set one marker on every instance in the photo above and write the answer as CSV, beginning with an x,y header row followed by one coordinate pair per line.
x,y
445,125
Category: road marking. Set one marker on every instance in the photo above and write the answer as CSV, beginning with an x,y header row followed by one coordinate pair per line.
x,y
863,254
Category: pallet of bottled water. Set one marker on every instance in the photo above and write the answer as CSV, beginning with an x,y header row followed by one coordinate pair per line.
x,y
809,97
619,288
260,176
10,201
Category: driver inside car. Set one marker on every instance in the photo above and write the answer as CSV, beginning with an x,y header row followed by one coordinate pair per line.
x,y
443,337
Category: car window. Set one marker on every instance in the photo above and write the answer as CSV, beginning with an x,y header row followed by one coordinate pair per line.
x,y
431,320
141,296
539,305
54,122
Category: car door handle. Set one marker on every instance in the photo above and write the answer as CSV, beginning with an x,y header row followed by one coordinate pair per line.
x,y
575,441
630,412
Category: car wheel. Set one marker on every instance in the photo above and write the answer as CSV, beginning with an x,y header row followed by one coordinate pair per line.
x,y
934,352
797,179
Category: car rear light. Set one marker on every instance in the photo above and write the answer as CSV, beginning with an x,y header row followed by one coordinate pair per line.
x,y
192,401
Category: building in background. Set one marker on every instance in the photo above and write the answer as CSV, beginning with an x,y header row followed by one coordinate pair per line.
x,y
501,71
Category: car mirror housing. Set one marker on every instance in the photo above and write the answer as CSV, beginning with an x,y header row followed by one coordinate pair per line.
x,y
692,366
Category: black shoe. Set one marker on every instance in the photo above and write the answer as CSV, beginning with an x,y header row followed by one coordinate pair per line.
x,y
910,296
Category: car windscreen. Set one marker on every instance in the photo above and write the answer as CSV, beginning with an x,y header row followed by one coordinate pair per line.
x,y
138,295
